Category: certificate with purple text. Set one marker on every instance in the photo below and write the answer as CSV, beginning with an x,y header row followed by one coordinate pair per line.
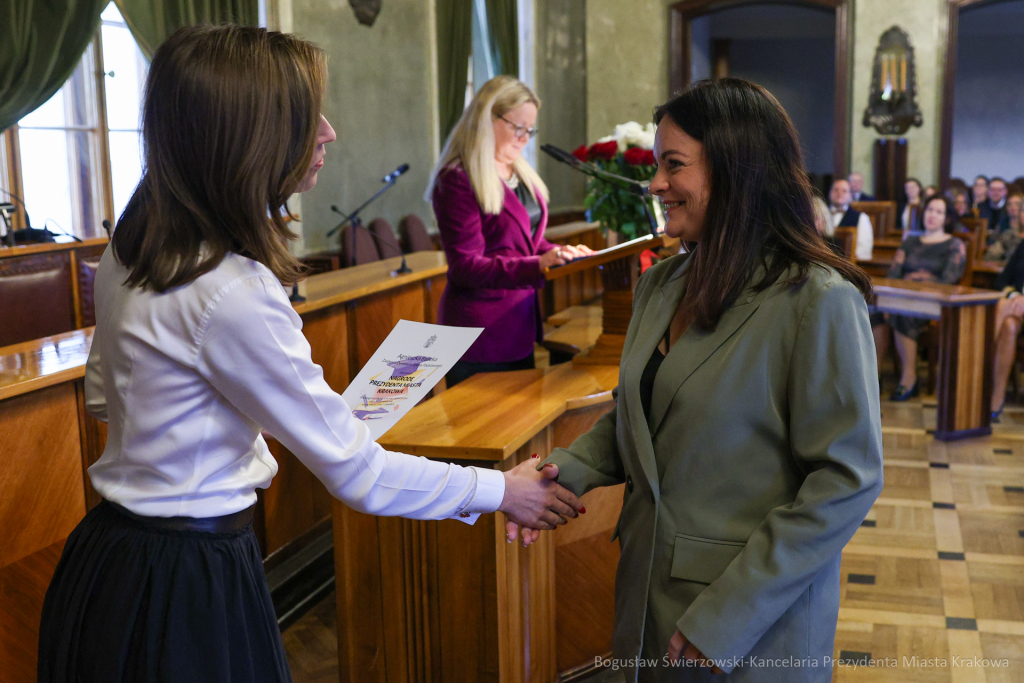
x,y
403,370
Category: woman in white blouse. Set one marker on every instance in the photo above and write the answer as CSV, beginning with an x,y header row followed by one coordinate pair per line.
x,y
196,350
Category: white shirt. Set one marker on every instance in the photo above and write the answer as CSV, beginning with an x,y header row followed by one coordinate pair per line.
x,y
186,380
865,233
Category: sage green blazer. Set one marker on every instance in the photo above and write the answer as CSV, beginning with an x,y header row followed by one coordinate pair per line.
x,y
761,457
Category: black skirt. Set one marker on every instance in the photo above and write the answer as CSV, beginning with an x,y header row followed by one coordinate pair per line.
x,y
133,603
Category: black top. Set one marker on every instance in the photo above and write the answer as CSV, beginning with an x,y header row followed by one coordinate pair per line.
x,y
530,204
647,378
945,261
1013,271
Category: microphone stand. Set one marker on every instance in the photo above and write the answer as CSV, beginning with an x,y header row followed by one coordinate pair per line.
x,y
641,188
356,223
354,220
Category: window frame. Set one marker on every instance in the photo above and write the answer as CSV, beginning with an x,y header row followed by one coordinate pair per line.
x,y
12,169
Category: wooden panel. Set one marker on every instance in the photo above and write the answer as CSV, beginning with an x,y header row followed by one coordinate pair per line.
x,y
434,289
94,439
468,599
23,586
372,319
585,609
289,504
970,366
326,331
41,476
358,592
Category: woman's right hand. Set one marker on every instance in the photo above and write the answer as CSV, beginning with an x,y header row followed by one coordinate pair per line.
x,y
552,258
534,499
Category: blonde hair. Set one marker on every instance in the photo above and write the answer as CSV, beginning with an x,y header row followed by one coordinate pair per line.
x,y
471,144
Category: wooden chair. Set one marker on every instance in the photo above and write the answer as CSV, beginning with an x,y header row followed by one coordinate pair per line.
x,y
414,234
365,248
979,227
845,240
882,215
387,243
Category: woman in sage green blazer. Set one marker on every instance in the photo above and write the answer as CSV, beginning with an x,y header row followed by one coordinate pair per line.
x,y
752,453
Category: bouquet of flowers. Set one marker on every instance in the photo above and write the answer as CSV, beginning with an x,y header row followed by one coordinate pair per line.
x,y
628,152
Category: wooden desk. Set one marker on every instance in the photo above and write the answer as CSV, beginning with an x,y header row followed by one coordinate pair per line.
x,y
444,601
966,330
985,273
47,439
581,287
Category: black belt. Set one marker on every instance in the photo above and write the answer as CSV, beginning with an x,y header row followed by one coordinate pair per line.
x,y
233,522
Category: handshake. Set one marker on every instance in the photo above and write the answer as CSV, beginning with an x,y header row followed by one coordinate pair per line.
x,y
534,501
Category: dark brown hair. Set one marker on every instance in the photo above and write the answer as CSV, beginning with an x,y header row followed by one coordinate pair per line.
x,y
229,125
949,223
759,209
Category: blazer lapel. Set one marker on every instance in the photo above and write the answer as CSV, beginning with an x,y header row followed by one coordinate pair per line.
x,y
516,209
543,222
693,348
656,316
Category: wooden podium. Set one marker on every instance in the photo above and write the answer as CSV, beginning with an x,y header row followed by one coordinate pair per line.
x,y
433,602
620,268
966,330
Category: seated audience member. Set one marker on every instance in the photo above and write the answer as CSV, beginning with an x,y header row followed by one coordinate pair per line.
x,y
1009,314
843,216
1007,234
908,207
933,256
996,203
856,180
980,192
961,203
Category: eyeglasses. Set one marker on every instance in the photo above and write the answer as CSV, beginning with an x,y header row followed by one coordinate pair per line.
x,y
520,131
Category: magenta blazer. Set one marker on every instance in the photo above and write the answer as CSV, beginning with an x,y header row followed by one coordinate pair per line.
x,y
494,274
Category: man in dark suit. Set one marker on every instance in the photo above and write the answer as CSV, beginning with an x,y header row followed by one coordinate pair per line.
x,y
994,207
856,180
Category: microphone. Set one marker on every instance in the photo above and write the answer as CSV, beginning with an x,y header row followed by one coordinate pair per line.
x,y
28,221
393,176
637,187
404,267
108,227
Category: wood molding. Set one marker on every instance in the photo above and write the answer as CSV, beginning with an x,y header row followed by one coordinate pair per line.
x,y
682,13
948,87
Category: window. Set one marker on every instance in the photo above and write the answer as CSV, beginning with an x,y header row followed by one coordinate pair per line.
x,y
76,159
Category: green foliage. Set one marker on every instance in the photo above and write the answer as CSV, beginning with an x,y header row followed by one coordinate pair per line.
x,y
615,208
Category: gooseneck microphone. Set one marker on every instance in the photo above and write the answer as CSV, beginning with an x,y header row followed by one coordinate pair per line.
x,y
108,227
358,224
641,188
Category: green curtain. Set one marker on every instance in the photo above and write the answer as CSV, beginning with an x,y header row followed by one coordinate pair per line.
x,y
503,25
454,44
152,21
41,42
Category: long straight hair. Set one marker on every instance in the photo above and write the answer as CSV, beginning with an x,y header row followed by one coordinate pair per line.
x,y
229,126
471,144
759,212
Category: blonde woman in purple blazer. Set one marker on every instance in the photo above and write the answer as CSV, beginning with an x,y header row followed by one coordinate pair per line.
x,y
491,209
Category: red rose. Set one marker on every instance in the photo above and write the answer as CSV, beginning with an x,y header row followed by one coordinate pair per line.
x,y
603,150
638,156
580,153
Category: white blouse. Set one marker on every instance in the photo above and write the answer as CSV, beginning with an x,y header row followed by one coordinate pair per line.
x,y
186,379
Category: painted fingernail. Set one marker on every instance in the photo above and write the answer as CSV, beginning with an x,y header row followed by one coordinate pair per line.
x,y
583,510
534,455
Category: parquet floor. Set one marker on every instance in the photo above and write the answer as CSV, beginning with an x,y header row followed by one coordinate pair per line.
x,y
932,583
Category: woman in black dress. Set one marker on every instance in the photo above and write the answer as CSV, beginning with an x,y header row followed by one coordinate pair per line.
x,y
934,256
